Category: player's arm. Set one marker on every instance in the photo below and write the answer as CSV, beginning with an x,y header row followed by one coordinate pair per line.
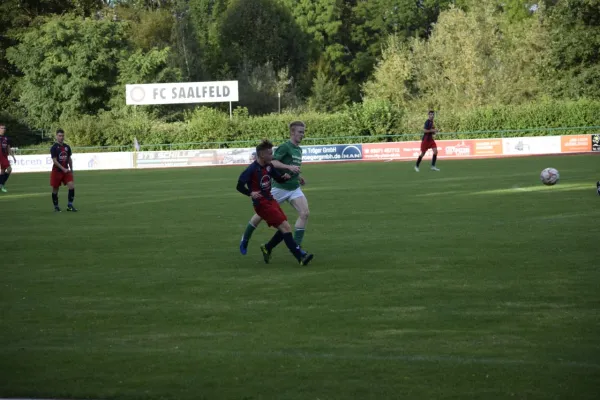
x,y
429,128
55,161
243,184
70,162
280,153
11,152
275,174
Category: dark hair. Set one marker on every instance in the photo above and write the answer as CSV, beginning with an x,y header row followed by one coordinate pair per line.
x,y
60,131
264,145
431,112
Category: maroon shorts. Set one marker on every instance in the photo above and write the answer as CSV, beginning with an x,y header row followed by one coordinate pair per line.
x,y
428,144
58,177
270,211
4,163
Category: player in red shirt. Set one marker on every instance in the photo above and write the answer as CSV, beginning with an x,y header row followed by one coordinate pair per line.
x,y
427,142
62,170
255,182
5,151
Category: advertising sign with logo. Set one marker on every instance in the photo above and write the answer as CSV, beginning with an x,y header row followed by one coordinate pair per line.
x,y
531,145
391,151
335,152
177,158
81,162
102,161
235,156
596,142
182,92
575,143
487,147
455,148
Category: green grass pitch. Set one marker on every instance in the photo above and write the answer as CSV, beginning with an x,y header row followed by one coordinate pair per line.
x,y
473,282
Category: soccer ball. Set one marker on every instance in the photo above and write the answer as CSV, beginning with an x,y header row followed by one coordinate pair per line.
x,y
549,176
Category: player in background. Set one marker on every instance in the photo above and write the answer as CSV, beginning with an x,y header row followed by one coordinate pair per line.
x,y
255,182
5,151
287,157
427,142
62,170
598,187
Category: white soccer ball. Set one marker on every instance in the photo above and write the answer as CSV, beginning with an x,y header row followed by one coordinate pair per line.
x,y
549,176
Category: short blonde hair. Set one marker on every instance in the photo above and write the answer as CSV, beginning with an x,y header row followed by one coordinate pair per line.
x,y
297,123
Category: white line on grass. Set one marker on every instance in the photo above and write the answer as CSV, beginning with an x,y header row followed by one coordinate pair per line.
x,y
406,357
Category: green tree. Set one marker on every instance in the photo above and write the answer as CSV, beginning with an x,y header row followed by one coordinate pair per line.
x,y
205,17
327,95
261,31
371,22
395,74
574,69
472,58
69,65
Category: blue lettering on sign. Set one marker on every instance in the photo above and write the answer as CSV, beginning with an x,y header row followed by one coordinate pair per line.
x,y
332,152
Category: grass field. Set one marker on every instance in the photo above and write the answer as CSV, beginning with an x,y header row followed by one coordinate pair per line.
x,y
474,282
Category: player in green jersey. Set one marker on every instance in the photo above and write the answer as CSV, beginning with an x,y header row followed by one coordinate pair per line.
x,y
287,158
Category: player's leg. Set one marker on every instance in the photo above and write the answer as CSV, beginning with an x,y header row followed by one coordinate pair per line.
x,y
434,159
300,204
7,173
275,217
2,180
55,181
71,186
423,151
5,170
250,228
55,199
284,233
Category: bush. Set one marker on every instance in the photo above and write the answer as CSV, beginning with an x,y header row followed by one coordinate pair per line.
x,y
205,126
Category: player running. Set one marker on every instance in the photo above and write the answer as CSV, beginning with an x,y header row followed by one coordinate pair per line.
x,y
288,157
62,170
427,142
5,151
255,182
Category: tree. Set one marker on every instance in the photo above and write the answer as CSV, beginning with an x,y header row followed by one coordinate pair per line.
x,y
205,18
472,58
69,65
574,69
261,31
327,95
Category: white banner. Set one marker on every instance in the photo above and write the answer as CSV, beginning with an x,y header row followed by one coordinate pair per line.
x,y
81,162
467,148
236,156
531,145
183,92
176,158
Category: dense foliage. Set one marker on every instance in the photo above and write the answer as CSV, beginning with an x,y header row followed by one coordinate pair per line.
x,y
347,67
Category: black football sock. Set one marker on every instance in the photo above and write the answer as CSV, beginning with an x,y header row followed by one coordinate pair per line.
x,y
55,199
2,179
292,245
419,160
71,196
433,160
6,176
275,240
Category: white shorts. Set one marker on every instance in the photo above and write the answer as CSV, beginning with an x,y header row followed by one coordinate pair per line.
x,y
282,195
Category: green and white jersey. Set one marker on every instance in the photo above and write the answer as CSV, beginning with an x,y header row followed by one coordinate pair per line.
x,y
289,154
